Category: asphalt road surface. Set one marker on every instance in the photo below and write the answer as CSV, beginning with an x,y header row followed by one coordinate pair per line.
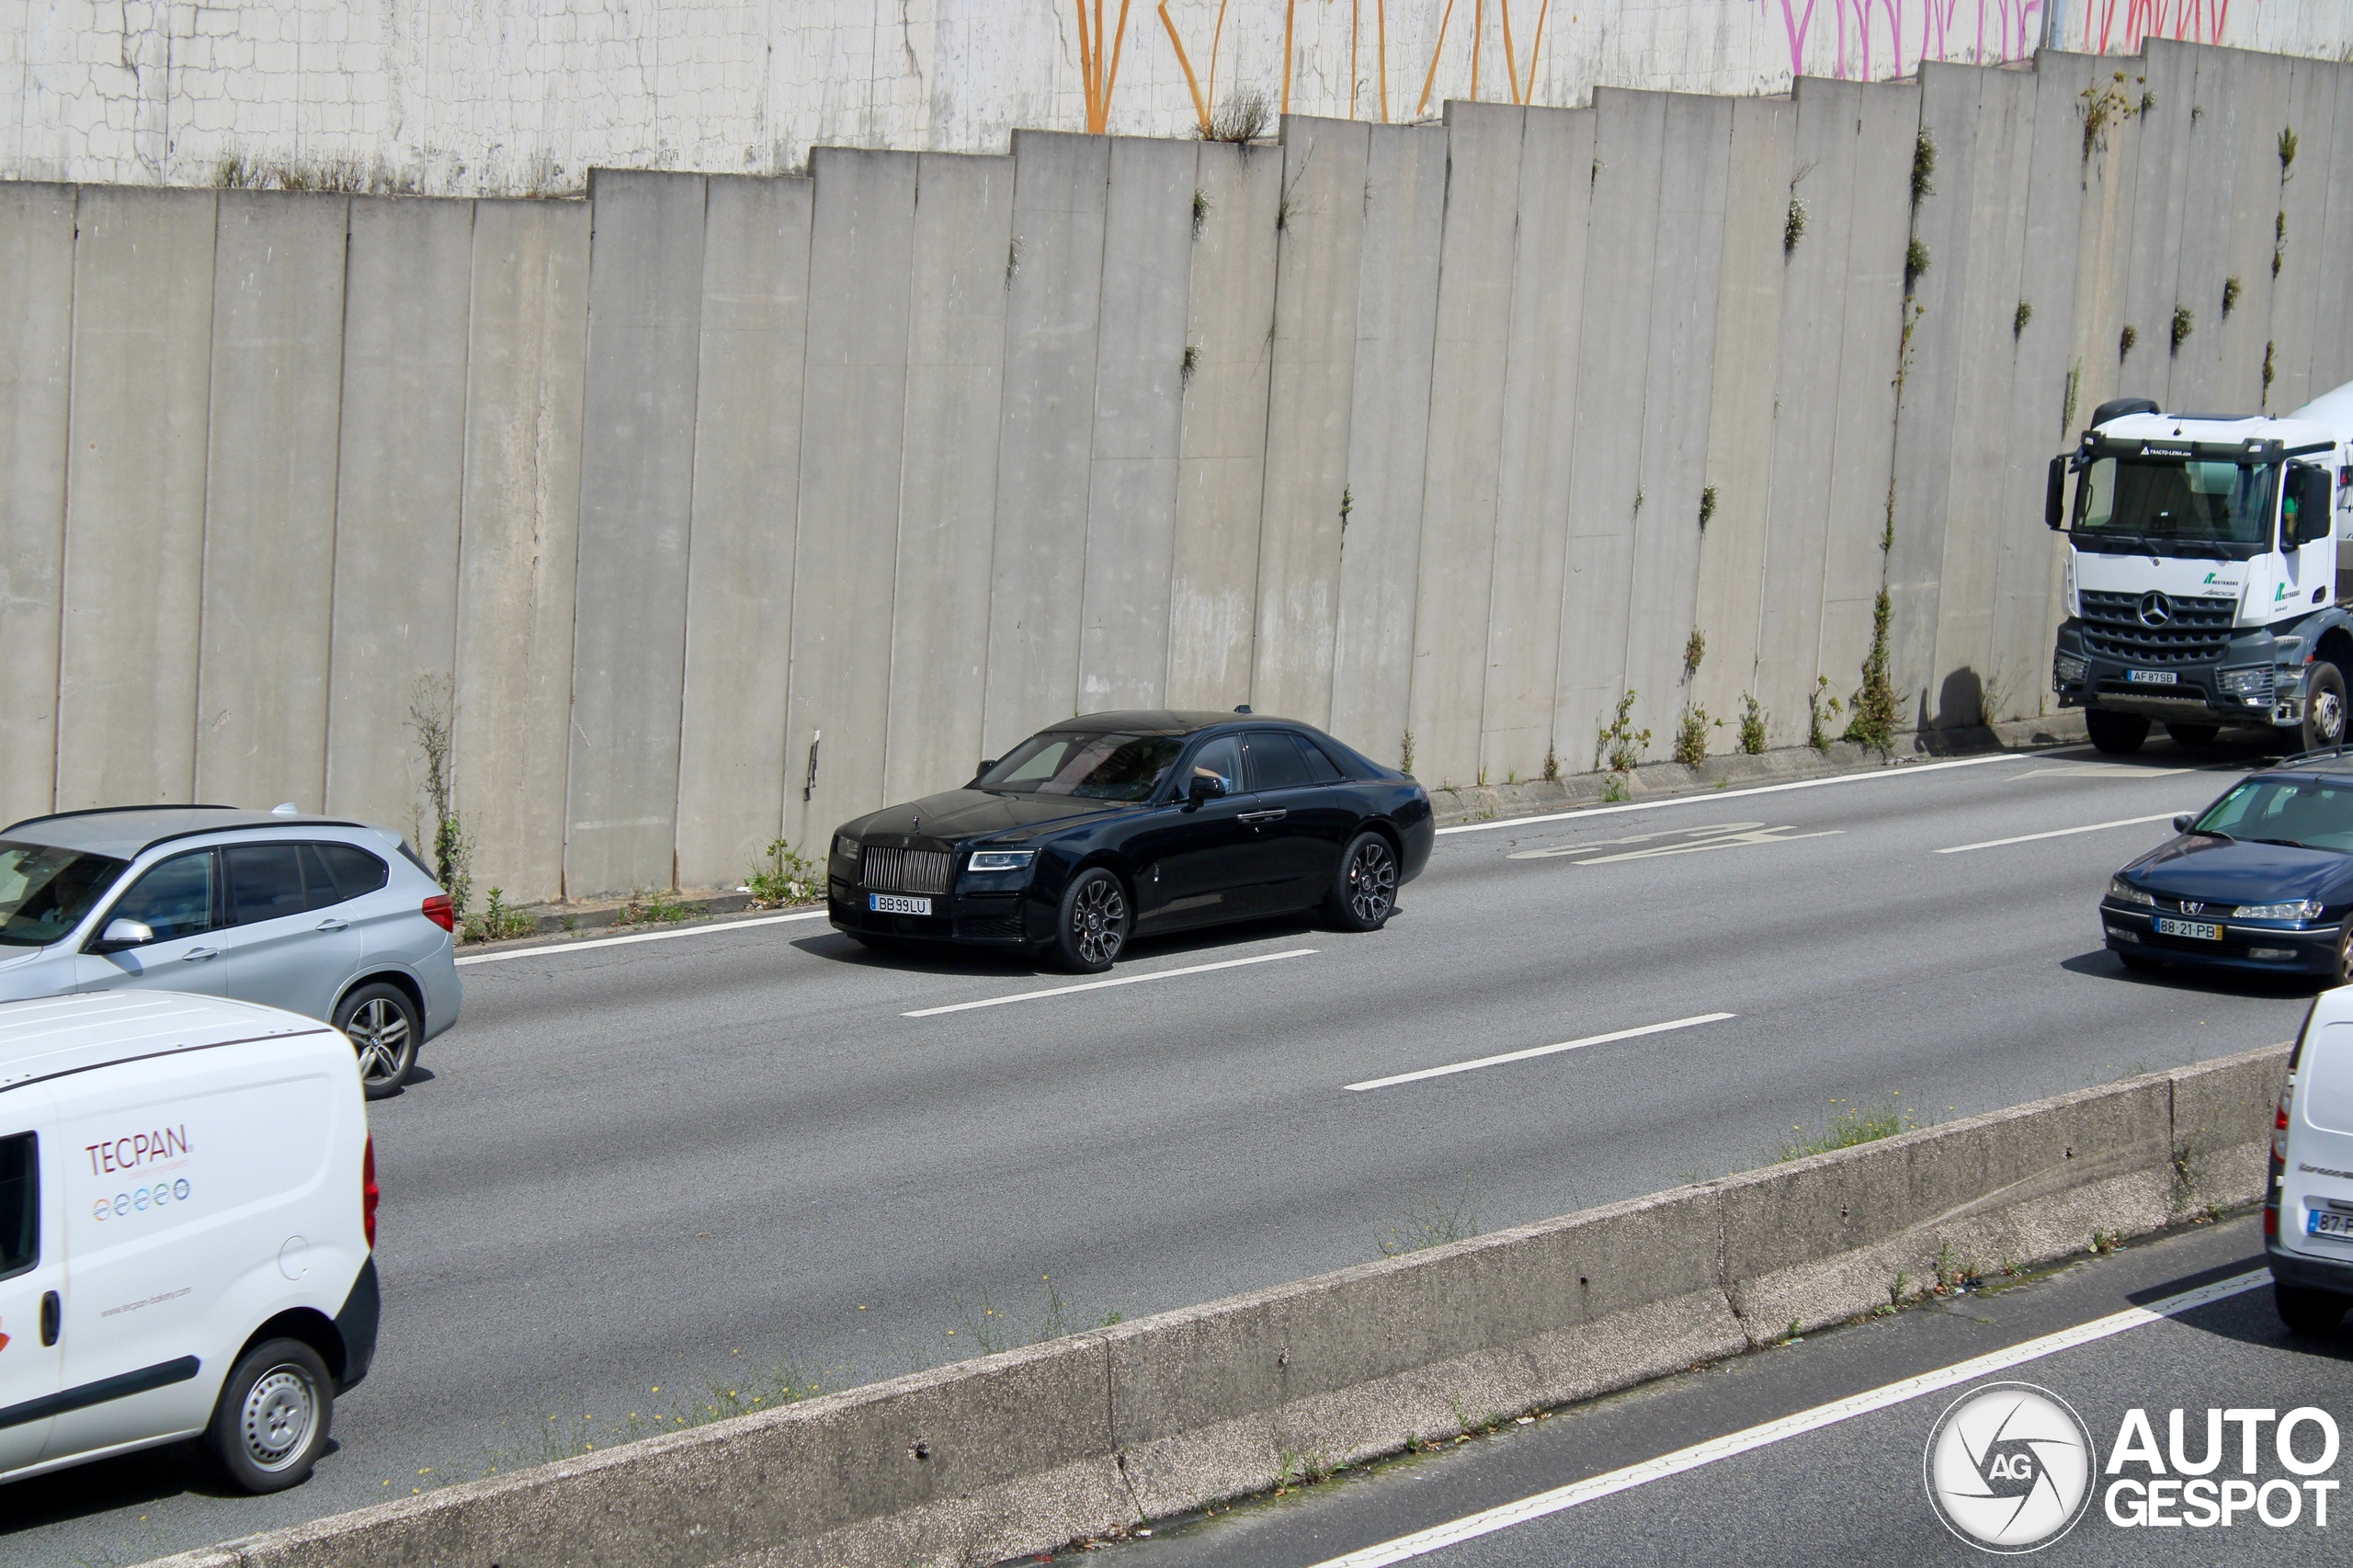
x,y
646,1173
1813,1451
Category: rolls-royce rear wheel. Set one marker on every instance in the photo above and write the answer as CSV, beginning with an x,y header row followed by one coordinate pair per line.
x,y
1364,895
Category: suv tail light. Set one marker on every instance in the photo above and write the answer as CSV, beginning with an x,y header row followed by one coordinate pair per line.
x,y
442,912
368,1191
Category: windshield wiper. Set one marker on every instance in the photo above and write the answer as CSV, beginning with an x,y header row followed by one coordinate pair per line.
x,y
2290,843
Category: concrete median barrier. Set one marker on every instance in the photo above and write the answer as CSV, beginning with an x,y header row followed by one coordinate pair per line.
x,y
1022,1451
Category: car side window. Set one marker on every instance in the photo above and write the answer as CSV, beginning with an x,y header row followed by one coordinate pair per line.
x,y
353,870
1275,763
265,881
1220,759
1320,768
19,1203
173,899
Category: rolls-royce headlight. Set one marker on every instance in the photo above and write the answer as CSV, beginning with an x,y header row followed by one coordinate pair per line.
x,y
1000,859
2125,892
2304,909
845,849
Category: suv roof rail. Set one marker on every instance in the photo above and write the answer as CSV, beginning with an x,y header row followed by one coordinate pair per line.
x,y
102,810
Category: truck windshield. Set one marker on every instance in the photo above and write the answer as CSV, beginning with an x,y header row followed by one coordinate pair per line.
x,y
44,892
2156,506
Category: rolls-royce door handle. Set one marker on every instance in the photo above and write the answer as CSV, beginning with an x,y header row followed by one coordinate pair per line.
x,y
1275,815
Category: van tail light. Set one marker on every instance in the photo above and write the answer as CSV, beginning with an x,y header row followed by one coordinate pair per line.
x,y
368,1191
442,912
2279,1123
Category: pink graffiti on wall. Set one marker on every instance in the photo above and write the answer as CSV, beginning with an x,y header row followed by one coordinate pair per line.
x,y
1879,38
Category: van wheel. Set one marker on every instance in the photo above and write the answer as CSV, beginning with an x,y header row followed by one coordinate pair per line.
x,y
384,1029
272,1423
2323,706
1364,895
2308,1312
2119,734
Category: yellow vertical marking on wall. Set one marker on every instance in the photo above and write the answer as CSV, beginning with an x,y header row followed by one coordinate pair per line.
x,y
1427,82
1201,111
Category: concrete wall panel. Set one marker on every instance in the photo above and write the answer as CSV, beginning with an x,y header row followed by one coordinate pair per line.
x,y
2259,89
2167,82
629,647
2333,329
753,327
2028,555
1053,287
1967,677
36,354
1372,664
861,251
1139,424
1944,225
1740,415
269,499
1214,579
1869,349
1538,436
526,344
1455,579
2302,220
2108,176
1677,399
948,483
1310,401
399,492
1805,426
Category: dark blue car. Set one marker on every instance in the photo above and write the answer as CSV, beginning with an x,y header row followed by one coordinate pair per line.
x,y
2260,881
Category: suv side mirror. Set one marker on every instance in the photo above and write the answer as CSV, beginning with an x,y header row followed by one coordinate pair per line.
x,y
2054,494
2313,517
121,934
1204,786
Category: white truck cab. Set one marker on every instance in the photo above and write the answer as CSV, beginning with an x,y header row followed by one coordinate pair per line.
x,y
2308,1202
188,1224
2203,584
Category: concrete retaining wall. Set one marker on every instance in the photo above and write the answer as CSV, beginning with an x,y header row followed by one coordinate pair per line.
x,y
1407,430
1023,1452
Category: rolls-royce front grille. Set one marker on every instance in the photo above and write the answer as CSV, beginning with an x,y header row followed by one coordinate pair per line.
x,y
2188,630
906,870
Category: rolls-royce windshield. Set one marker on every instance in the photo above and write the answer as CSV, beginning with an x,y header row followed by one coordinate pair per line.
x,y
1091,767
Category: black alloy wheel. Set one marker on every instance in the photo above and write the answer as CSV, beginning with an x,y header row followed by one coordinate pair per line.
x,y
385,1030
1092,925
1364,895
2323,706
2308,1312
272,1423
2341,972
2119,734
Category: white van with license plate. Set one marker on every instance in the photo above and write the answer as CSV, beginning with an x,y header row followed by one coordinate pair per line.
x,y
2308,1204
187,1221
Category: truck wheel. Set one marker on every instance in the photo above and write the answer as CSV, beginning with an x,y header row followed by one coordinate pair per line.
x,y
2308,1312
2193,734
272,1423
2323,706
2119,734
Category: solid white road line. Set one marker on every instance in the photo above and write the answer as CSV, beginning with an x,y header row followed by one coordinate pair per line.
x,y
2061,833
1906,772
1470,1527
642,936
1103,984
1543,1051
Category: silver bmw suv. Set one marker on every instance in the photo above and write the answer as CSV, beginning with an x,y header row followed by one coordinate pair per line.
x,y
334,920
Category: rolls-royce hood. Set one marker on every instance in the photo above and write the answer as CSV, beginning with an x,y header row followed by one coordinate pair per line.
x,y
974,814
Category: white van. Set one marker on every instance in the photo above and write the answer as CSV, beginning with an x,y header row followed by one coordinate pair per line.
x,y
2308,1205
187,1218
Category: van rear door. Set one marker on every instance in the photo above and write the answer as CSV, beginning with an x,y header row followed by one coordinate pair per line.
x,y
2316,1211
31,1269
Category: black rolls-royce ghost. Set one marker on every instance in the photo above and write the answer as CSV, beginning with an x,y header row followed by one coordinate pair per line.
x,y
1117,824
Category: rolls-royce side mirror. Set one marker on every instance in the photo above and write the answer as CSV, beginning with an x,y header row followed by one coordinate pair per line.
x,y
1204,786
2182,824
121,934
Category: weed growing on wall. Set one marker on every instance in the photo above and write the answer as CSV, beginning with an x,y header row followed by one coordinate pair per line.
x,y
432,714
1431,1224
2025,314
1924,165
1792,227
498,921
2270,369
1691,735
1619,744
1552,765
2067,405
2184,323
1242,117
1695,648
1877,709
1822,707
1406,755
2127,340
1916,263
2107,106
2231,292
2278,240
787,877
1752,725
1707,507
1851,1123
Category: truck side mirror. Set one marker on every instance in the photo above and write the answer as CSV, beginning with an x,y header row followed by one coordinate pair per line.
x,y
2054,495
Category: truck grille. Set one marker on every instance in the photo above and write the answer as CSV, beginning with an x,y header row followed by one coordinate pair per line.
x,y
906,870
2195,634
